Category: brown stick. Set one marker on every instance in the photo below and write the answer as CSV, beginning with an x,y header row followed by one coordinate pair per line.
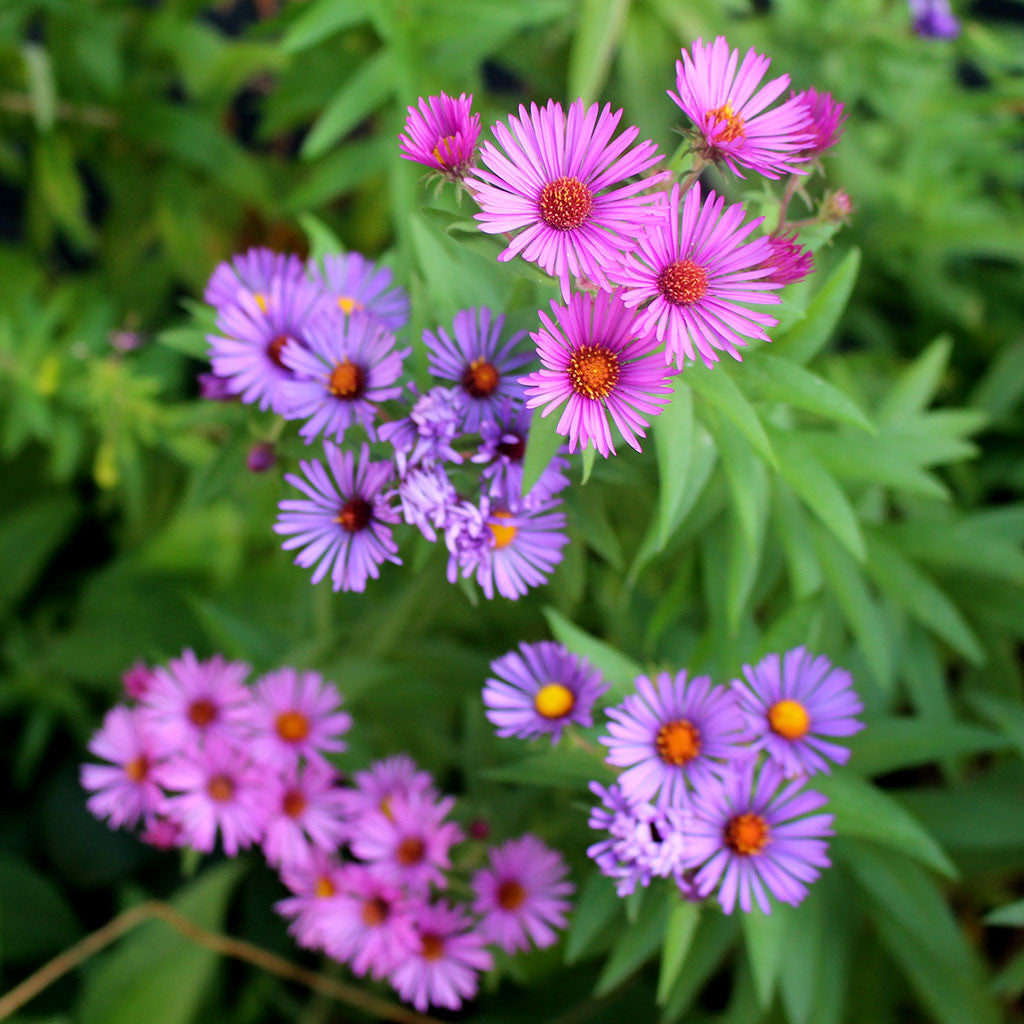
x,y
96,117
223,945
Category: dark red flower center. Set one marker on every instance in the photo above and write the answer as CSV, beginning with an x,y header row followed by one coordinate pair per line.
x,y
593,371
294,803
511,895
346,380
747,834
410,851
137,768
725,124
431,946
683,282
678,742
354,515
201,712
565,203
221,788
481,378
375,912
274,348
514,450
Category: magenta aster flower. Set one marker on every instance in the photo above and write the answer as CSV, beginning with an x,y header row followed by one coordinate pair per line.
x,y
137,680
316,884
191,700
540,689
795,705
342,524
598,358
521,895
563,181
826,117
789,260
730,119
750,833
128,786
442,134
442,969
252,273
673,735
392,778
218,788
304,810
349,367
408,842
359,286
698,275
480,365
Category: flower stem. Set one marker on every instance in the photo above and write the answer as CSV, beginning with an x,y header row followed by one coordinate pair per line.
x,y
792,184
699,164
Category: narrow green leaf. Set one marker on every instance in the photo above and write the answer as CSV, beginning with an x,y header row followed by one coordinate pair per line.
x,y
42,90
189,340
673,439
807,949
1004,714
890,744
589,454
598,28
793,529
679,932
29,535
638,943
618,669
597,907
746,475
322,240
717,388
35,919
322,19
715,937
765,936
541,447
1009,916
916,386
568,766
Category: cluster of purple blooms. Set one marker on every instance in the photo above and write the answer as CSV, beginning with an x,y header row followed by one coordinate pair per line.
x,y
199,754
711,789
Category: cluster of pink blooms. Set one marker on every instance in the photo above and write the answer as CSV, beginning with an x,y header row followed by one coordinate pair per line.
x,y
199,754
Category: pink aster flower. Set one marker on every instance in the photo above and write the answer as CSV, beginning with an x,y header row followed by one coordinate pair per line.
x,y
796,705
730,119
128,786
296,714
251,273
698,275
137,680
442,134
316,885
218,788
563,180
343,525
392,778
521,895
408,844
673,735
789,260
304,810
826,117
442,969
190,700
598,358
356,285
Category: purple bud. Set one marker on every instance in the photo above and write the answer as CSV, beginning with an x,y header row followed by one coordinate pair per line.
x,y
479,828
261,457
137,680
216,389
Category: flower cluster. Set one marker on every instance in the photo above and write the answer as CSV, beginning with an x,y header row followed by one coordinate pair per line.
x,y
199,754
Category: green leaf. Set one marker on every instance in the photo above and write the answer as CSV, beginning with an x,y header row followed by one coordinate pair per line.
x,y
718,389
679,932
589,454
42,91
765,936
322,240
542,446
189,340
320,20
1009,916
748,481
805,339
597,907
638,943
714,939
35,919
794,532
890,744
673,439
1007,715
917,385
564,766
618,669
807,944
598,28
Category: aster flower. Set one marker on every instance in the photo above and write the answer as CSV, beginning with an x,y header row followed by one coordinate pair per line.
x,y
359,286
751,833
442,969
371,925
426,495
316,884
128,786
521,895
408,842
934,19
214,388
596,357
480,365
341,525
349,367
254,331
296,714
540,689
671,735
794,706
190,700
304,810
252,273
219,789
698,275
826,117
429,431
137,680
442,134
789,260
508,549
392,778
563,181
729,117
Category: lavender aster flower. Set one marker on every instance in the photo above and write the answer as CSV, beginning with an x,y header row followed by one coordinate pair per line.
x,y
341,525
748,835
795,705
934,19
251,273
427,496
442,134
358,286
562,180
826,117
539,690
475,359
428,432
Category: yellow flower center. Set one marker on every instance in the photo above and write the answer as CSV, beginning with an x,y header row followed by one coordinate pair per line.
x,y
347,304
261,301
593,371
346,380
554,700
789,718
324,888
731,124
503,535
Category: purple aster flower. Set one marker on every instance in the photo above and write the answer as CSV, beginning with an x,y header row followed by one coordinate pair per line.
x,y
934,19
127,787
254,333
349,367
521,895
789,260
304,811
191,700
358,286
698,275
673,735
826,117
480,365
219,788
442,134
596,355
752,833
508,549
214,388
730,119
377,787
252,273
794,706
540,689
428,432
315,884
341,525
426,495
442,969
562,179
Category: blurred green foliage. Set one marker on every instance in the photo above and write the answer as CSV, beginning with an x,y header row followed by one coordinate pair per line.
x,y
856,487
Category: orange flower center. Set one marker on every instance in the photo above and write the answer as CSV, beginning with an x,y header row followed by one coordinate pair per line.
x,y
725,124
346,380
274,350
374,912
347,304
503,535
201,712
481,378
137,768
444,151
593,371
554,700
747,834
789,718
431,946
292,726
220,788
354,515
324,888
565,203
294,803
511,895
678,742
410,851
683,282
